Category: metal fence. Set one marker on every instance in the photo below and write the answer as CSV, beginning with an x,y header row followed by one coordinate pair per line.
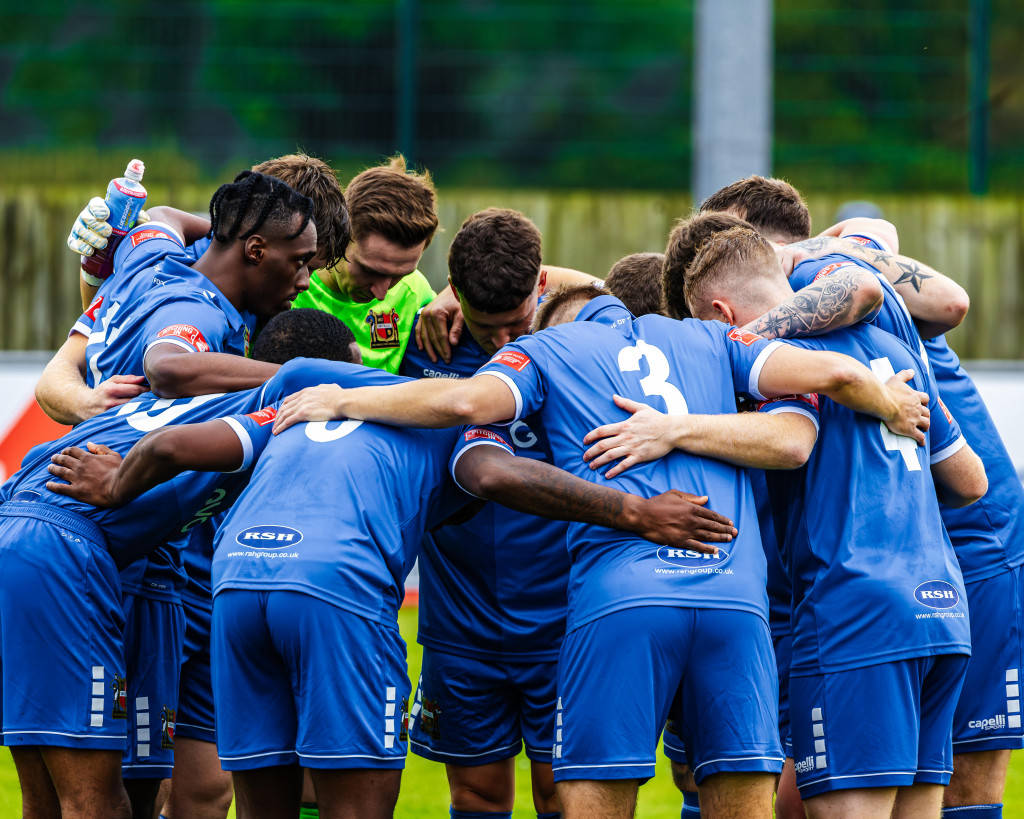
x,y
568,94
977,241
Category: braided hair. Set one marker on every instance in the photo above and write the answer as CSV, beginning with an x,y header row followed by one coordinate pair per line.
x,y
257,202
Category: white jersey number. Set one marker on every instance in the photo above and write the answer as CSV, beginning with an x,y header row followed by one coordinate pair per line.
x,y
318,431
656,382
907,447
162,412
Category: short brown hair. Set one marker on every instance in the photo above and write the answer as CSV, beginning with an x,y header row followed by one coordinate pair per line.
x,y
636,281
314,178
494,259
556,302
393,202
741,255
684,241
773,207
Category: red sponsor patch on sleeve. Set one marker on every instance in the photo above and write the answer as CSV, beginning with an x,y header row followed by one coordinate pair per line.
x,y
94,308
811,399
743,337
187,333
484,434
832,268
945,411
858,240
145,235
517,361
264,416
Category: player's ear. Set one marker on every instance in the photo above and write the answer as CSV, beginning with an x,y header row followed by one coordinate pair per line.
x,y
542,282
451,284
723,312
253,249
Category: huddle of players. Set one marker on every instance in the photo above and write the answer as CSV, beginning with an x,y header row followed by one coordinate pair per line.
x,y
493,612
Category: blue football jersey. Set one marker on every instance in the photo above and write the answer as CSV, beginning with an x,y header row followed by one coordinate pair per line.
x,y
188,313
337,510
874,575
988,535
568,374
153,518
780,590
495,586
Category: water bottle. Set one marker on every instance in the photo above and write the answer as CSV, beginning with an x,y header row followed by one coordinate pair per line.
x,y
125,198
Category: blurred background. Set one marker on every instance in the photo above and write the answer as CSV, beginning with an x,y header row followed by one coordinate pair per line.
x,y
600,119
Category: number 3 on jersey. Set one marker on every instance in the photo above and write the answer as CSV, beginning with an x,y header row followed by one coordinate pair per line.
x,y
907,447
656,381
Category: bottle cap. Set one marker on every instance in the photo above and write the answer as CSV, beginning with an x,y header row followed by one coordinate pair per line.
x,y
136,168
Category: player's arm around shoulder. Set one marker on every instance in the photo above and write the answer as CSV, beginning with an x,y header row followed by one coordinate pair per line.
x,y
532,486
792,370
99,476
432,403
64,395
762,441
174,372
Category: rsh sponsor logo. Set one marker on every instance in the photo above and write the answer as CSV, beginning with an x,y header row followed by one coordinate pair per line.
x,y
936,594
690,559
269,537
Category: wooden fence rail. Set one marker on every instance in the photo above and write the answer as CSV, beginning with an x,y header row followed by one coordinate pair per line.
x,y
977,241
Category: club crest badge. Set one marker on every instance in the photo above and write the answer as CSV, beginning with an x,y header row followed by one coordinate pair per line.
x,y
119,685
383,329
430,718
167,716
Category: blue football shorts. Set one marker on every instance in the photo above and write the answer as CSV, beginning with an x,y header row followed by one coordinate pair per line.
x,y
988,715
783,646
622,675
875,727
299,680
153,640
470,711
195,686
61,632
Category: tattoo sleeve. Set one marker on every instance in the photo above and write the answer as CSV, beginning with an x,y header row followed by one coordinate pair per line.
x,y
825,305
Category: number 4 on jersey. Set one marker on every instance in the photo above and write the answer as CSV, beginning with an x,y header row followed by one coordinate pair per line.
x,y
907,447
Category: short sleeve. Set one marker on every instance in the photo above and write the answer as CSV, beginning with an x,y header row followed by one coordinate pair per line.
x,y
195,325
944,435
254,430
470,437
517,365
144,246
805,405
865,239
748,353
87,320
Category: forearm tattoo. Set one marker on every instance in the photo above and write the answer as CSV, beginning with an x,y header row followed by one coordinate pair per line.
x,y
912,274
825,305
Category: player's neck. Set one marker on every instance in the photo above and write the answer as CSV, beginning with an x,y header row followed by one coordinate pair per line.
x,y
218,266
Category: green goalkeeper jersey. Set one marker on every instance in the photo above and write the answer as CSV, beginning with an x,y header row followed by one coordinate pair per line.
x,y
382,328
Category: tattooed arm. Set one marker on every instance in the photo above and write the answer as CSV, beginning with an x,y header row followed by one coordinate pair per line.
x,y
936,302
673,518
844,298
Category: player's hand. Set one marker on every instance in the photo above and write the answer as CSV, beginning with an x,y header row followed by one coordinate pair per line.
x,y
311,404
91,229
912,417
682,521
646,436
90,474
116,390
440,326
